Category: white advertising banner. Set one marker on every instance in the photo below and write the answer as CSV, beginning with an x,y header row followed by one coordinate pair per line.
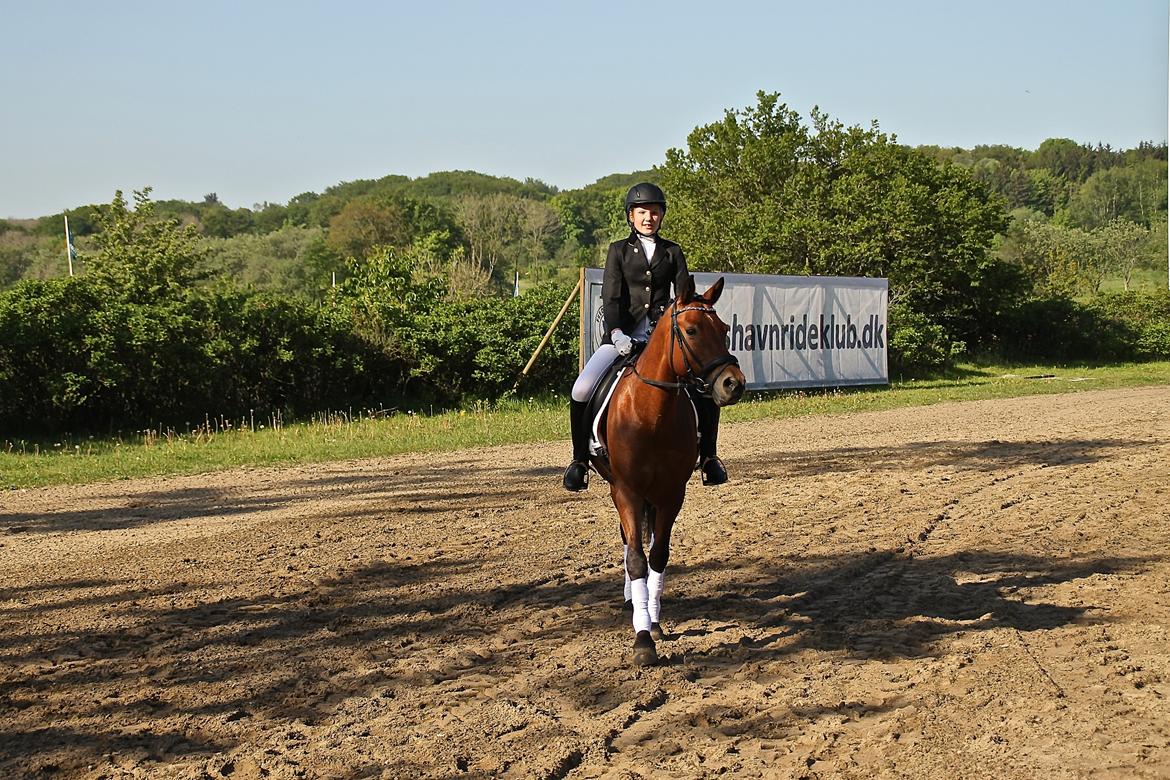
x,y
786,331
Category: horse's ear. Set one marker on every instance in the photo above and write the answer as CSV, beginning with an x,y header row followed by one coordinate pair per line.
x,y
714,291
687,293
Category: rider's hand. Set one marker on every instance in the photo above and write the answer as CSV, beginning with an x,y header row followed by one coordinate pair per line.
x,y
623,343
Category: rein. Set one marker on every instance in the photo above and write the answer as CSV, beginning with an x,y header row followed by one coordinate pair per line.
x,y
699,379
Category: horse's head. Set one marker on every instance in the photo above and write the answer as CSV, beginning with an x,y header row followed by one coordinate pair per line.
x,y
699,345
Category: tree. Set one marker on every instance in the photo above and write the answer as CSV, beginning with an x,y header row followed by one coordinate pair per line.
x,y
1065,158
367,222
591,217
1135,192
1058,260
1122,245
761,192
274,260
220,221
540,229
492,227
141,258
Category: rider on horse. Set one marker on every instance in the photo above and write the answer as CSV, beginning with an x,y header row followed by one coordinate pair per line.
x,y
635,291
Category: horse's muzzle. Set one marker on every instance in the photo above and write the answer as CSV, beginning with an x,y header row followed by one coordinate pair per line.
x,y
728,385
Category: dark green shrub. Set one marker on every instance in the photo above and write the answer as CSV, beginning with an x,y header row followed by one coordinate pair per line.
x,y
1144,317
1111,327
917,345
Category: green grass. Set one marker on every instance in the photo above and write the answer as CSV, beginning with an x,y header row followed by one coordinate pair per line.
x,y
73,460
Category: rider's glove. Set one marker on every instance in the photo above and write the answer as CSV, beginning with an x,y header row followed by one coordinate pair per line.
x,y
621,342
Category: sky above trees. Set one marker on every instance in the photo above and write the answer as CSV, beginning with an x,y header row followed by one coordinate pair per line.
x,y
262,101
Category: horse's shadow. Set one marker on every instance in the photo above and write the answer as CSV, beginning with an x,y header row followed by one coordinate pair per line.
x,y
400,615
872,605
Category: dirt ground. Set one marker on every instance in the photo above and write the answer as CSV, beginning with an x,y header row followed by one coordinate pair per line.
x,y
972,590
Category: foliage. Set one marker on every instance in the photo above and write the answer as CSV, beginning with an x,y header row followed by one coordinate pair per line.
x,y
1134,193
1070,261
73,357
140,258
918,347
277,260
385,292
760,192
382,220
1111,327
1045,180
1145,316
456,348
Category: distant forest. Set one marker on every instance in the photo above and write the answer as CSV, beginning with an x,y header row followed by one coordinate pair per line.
x,y
493,227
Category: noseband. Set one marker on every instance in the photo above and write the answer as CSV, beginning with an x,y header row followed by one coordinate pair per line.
x,y
698,378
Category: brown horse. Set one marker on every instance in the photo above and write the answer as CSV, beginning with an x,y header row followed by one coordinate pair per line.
x,y
651,439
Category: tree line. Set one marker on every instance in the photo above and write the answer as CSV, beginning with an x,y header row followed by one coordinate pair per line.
x,y
383,292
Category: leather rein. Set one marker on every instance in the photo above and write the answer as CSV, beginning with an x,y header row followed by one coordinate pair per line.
x,y
696,378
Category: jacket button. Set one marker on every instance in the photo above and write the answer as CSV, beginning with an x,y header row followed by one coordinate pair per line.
x,y
647,289
645,306
647,273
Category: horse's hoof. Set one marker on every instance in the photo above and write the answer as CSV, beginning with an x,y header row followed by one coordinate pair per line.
x,y
656,632
644,652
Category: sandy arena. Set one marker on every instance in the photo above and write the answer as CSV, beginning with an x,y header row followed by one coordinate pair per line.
x,y
974,590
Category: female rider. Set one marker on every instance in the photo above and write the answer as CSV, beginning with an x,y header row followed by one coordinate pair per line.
x,y
635,291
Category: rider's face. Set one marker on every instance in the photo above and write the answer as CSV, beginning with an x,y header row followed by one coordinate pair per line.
x,y
646,219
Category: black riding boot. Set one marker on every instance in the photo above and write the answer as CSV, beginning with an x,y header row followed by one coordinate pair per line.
x,y
712,468
577,474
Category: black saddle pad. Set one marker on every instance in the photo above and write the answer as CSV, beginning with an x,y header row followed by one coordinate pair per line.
x,y
597,405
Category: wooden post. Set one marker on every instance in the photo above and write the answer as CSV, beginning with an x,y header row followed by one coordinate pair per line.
x,y
549,332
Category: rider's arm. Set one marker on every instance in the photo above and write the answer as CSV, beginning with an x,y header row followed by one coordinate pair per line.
x,y
613,289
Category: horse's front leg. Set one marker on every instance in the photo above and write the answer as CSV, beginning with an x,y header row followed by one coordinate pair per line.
x,y
655,576
630,508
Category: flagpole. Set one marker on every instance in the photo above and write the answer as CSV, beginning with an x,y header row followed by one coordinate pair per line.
x,y
68,246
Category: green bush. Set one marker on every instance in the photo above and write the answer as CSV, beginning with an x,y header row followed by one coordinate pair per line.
x,y
917,345
1121,326
1144,317
45,375
74,357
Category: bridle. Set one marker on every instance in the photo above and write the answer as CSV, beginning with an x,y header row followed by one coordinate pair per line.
x,y
699,378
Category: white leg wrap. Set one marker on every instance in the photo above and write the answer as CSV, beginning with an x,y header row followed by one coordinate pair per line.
x,y
640,597
626,573
654,588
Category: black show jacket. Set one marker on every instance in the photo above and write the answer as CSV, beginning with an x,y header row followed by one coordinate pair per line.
x,y
631,289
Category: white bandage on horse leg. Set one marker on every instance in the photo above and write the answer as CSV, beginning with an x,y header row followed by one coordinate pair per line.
x,y
626,573
654,589
640,596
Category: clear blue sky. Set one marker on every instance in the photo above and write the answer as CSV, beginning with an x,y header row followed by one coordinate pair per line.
x,y
259,101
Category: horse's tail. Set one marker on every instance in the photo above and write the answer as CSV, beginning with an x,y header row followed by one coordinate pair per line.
x,y
648,514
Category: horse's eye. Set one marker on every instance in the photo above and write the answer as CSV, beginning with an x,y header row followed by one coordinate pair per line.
x,y
692,330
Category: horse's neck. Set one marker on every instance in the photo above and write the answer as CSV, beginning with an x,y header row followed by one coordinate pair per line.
x,y
654,362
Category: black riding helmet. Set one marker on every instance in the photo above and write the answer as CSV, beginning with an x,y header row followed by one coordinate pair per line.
x,y
642,194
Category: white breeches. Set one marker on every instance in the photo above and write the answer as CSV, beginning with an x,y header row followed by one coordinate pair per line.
x,y
602,359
